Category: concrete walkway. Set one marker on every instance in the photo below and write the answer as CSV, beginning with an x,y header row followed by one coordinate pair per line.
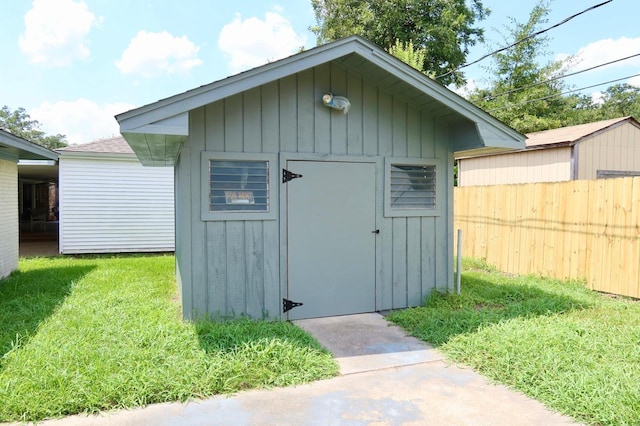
x,y
387,378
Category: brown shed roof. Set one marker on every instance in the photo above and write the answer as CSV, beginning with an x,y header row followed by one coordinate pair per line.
x,y
115,145
572,134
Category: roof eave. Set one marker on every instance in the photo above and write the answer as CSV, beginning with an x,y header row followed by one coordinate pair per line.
x,y
152,119
13,145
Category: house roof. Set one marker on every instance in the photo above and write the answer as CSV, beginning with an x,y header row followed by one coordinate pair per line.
x,y
157,131
15,148
573,134
115,145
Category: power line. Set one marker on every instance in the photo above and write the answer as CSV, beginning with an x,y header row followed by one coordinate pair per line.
x,y
564,21
528,101
517,89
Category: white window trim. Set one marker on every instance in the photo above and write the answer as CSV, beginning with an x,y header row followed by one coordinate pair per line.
x,y
207,215
440,175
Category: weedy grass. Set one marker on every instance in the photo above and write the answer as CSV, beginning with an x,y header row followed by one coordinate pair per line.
x,y
576,351
100,333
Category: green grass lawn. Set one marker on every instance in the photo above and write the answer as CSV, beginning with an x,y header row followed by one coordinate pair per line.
x,y
576,351
90,334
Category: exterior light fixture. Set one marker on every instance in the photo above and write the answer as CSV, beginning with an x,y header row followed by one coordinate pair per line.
x,y
337,102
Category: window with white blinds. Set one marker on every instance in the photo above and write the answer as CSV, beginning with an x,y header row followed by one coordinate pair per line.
x,y
413,187
238,186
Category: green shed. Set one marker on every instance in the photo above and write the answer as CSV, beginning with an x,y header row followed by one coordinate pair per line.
x,y
317,185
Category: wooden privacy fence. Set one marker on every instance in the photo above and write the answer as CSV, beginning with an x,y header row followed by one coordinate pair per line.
x,y
587,230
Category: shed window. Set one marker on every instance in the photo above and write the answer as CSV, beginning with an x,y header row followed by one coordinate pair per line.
x,y
238,186
411,187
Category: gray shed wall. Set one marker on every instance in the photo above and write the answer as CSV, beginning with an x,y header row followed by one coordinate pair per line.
x,y
232,267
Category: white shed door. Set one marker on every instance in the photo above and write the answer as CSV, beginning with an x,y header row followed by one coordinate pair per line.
x,y
331,238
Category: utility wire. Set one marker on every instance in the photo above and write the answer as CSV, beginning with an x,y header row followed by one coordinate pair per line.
x,y
528,101
564,21
517,89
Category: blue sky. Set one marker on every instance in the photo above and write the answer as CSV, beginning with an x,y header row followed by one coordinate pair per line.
x,y
73,64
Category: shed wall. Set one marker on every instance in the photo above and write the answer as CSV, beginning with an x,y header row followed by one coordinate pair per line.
x,y
115,205
617,148
235,266
8,217
543,165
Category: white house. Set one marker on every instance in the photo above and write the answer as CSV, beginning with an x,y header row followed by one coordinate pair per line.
x,y
13,149
110,203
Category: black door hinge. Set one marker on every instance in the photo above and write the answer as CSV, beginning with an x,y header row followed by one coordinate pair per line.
x,y
287,305
288,176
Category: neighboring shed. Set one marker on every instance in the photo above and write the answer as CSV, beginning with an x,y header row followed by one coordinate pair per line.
x,y
608,148
13,149
282,200
110,203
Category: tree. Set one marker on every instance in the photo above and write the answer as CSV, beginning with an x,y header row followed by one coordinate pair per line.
x,y
19,123
444,28
621,100
524,94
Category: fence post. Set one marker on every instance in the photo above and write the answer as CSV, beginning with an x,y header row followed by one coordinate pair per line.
x,y
459,267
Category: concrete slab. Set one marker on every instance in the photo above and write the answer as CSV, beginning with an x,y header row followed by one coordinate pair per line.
x,y
430,393
387,378
366,342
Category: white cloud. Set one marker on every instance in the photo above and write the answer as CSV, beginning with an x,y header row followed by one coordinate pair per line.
x,y
81,120
55,32
607,50
597,98
253,42
466,90
152,54
635,81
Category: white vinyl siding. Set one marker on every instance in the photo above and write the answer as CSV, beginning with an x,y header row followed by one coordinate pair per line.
x,y
8,217
115,205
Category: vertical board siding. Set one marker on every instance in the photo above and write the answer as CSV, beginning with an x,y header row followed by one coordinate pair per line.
x,y
585,230
614,149
111,206
183,201
242,258
199,252
9,222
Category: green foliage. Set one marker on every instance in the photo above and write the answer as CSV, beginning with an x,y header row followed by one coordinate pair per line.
x,y
574,350
621,100
524,94
530,97
445,29
408,54
97,333
19,123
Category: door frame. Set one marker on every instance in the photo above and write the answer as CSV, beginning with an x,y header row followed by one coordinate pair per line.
x,y
379,214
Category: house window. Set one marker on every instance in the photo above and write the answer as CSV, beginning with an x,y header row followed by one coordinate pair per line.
x,y
607,174
411,187
237,186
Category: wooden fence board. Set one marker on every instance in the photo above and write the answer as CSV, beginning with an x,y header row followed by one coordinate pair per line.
x,y
587,230
634,231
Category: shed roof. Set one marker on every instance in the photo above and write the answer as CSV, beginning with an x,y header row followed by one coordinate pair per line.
x,y
573,134
14,147
114,145
157,131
